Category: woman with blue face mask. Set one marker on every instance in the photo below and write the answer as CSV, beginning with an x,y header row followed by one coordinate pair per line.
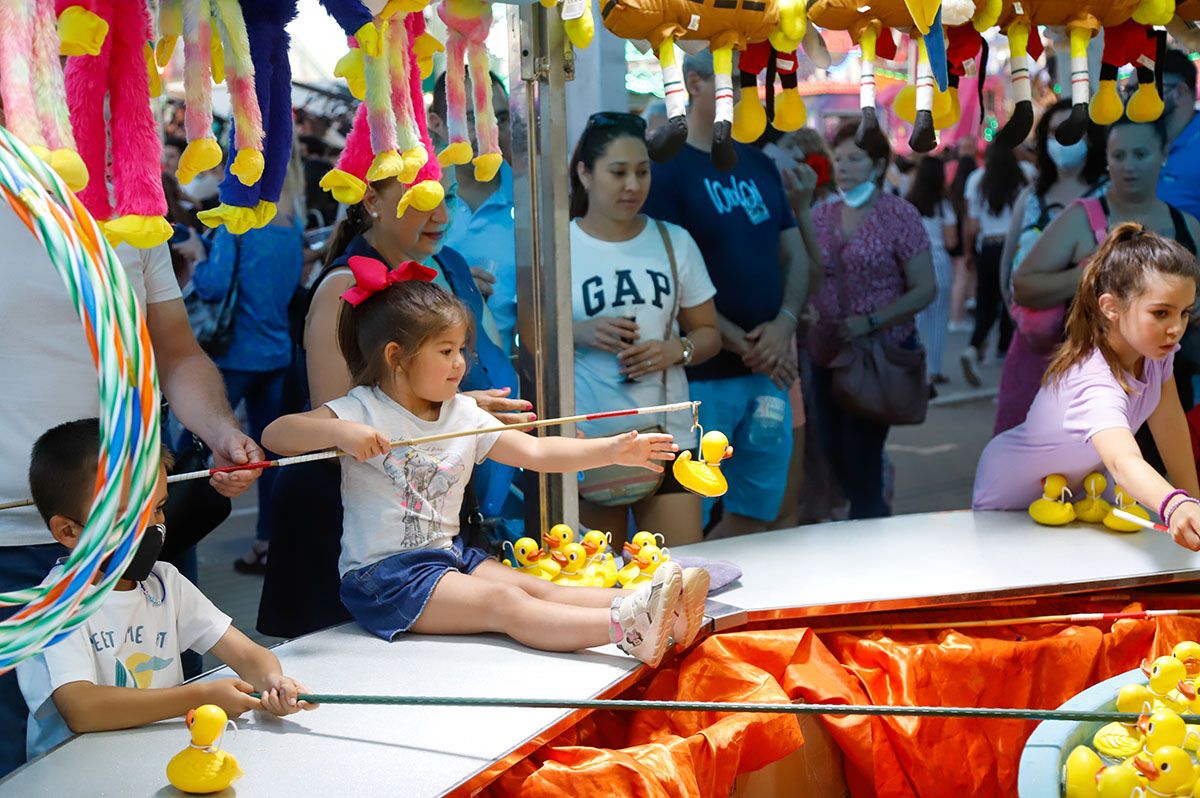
x,y
1065,174
878,273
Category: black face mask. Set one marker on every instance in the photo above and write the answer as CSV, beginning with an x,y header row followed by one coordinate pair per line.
x,y
146,555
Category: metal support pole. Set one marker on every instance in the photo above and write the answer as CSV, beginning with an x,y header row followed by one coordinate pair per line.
x,y
541,62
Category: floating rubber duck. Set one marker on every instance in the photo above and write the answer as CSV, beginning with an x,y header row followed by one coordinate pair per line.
x,y
1169,684
704,476
642,565
1052,509
601,563
1154,729
573,560
1093,509
202,767
558,536
1135,698
1188,652
1168,771
1085,776
1128,505
532,560
1119,781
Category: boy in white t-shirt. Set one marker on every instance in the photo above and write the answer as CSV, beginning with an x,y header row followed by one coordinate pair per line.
x,y
135,638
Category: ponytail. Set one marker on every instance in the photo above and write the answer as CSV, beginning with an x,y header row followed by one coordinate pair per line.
x,y
1120,267
355,224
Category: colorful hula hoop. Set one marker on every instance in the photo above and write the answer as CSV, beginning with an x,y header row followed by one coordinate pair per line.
x,y
129,404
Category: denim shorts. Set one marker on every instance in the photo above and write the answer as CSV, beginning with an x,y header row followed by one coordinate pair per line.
x,y
388,596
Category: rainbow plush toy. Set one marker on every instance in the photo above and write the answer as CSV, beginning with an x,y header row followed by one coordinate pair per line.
x,y
467,25
210,31
245,206
121,70
32,87
399,105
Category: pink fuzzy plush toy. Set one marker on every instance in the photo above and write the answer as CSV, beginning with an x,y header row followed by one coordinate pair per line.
x,y
119,70
31,85
390,137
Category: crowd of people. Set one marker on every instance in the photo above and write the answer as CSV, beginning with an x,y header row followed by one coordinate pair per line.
x,y
763,292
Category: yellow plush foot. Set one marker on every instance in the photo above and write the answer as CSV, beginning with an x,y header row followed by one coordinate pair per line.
x,y
80,32
790,113
70,168
142,232
582,29
1145,105
198,156
424,48
486,166
424,197
234,218
386,164
414,159
946,110
164,50
749,118
152,71
1106,107
457,154
350,68
264,212
369,40
248,166
345,187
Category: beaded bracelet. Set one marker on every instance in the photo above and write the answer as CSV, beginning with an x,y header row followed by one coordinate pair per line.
x,y
1162,508
1171,510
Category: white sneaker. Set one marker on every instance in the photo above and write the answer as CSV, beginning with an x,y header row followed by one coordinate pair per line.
x,y
689,616
970,359
642,621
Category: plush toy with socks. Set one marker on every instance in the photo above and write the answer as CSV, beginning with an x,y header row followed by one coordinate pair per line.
x,y
32,86
245,206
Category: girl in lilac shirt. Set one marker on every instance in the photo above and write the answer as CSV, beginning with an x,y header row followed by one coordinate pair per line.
x,y
1110,375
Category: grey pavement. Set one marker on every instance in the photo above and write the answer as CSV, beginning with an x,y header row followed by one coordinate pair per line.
x,y
934,466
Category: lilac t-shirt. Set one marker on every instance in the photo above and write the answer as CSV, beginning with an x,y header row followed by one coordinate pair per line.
x,y
1056,436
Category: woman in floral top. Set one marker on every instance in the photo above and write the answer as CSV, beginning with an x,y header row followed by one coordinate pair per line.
x,y
878,275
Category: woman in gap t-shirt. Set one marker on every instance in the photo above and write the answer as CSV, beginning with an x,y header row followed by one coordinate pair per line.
x,y
642,312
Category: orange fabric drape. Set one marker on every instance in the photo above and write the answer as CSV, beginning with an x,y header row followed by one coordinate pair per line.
x,y
700,754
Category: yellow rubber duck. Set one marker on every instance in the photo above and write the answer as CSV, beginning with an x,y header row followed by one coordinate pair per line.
x,y
1085,776
1168,682
1093,509
573,560
1168,771
1153,730
532,560
1188,652
1119,781
202,767
642,566
644,538
1126,503
601,563
558,536
704,476
1052,509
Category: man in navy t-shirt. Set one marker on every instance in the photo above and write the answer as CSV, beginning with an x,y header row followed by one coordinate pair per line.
x,y
744,227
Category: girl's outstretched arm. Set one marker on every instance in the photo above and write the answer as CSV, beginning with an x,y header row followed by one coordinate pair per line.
x,y
1170,429
554,454
319,429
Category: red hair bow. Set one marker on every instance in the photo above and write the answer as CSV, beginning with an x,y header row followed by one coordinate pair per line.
x,y
372,276
820,164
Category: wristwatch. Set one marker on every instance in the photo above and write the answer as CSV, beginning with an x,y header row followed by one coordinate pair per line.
x,y
688,350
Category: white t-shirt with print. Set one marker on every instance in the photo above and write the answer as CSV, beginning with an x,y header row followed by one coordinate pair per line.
x,y
991,224
409,498
128,642
633,279
48,375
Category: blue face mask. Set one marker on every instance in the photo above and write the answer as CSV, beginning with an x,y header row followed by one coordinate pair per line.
x,y
861,194
1070,156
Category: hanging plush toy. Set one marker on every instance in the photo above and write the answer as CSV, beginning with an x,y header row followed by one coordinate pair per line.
x,y
963,44
372,142
122,71
1131,42
32,88
467,25
243,205
726,27
749,116
204,64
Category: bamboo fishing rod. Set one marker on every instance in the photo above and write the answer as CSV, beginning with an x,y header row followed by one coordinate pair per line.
x,y
778,708
334,453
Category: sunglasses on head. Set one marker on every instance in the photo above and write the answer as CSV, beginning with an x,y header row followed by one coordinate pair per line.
x,y
617,119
